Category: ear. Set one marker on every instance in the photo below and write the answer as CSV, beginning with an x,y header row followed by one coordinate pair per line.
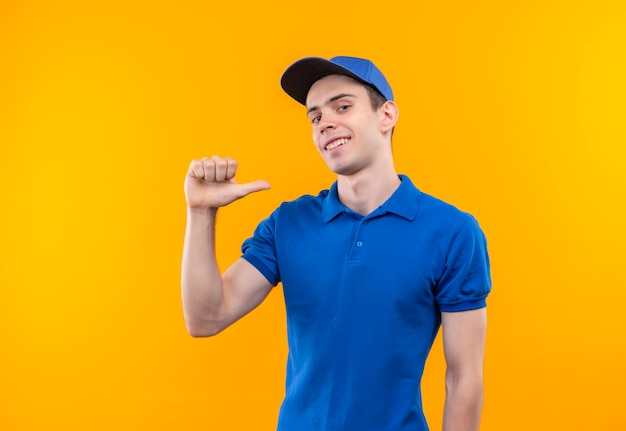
x,y
389,112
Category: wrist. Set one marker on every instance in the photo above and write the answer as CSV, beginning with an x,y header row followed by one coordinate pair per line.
x,y
201,212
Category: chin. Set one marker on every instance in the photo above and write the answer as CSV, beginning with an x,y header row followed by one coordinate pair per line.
x,y
342,170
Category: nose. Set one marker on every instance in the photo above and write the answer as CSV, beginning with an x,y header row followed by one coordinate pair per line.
x,y
327,122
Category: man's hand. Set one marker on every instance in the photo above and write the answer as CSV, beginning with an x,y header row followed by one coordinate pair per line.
x,y
211,184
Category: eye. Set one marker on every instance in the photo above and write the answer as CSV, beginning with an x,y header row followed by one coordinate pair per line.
x,y
343,108
316,119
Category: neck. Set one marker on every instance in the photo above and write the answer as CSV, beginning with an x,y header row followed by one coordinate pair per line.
x,y
363,192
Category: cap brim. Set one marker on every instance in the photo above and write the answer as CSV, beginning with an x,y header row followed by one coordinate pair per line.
x,y
301,75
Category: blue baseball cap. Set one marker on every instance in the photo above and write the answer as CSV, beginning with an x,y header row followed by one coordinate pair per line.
x,y
301,75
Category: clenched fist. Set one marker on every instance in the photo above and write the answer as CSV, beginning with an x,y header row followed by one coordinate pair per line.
x,y
210,183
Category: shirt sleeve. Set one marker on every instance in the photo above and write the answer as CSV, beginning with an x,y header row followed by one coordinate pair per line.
x,y
260,249
465,281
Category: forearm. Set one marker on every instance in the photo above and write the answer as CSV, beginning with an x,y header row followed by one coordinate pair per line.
x,y
201,282
464,402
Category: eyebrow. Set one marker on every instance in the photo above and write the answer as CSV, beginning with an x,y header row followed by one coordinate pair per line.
x,y
331,100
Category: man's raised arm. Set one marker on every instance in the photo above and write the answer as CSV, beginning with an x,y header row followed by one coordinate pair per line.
x,y
212,301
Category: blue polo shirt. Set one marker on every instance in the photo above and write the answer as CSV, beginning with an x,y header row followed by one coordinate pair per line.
x,y
364,296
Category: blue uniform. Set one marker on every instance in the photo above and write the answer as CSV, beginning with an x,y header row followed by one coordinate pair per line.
x,y
363,296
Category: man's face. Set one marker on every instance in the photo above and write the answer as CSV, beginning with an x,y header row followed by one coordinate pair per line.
x,y
346,130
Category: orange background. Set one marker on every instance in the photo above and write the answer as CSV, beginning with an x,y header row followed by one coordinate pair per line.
x,y
512,111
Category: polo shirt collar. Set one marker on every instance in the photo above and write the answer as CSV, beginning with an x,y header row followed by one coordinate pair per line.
x,y
403,202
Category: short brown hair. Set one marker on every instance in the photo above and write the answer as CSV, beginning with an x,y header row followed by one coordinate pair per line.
x,y
376,99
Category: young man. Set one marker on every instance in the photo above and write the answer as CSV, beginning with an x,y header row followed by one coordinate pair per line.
x,y
370,268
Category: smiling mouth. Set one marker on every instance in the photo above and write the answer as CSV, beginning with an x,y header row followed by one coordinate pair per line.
x,y
336,143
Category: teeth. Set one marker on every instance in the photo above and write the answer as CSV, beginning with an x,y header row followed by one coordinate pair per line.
x,y
336,143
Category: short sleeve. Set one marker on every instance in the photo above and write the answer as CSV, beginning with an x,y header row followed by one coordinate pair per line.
x,y
465,281
260,249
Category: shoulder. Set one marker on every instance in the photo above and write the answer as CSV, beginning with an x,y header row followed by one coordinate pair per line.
x,y
307,199
410,195
441,218
442,213
304,204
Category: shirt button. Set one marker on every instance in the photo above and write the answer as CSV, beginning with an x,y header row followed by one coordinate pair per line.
x,y
359,243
